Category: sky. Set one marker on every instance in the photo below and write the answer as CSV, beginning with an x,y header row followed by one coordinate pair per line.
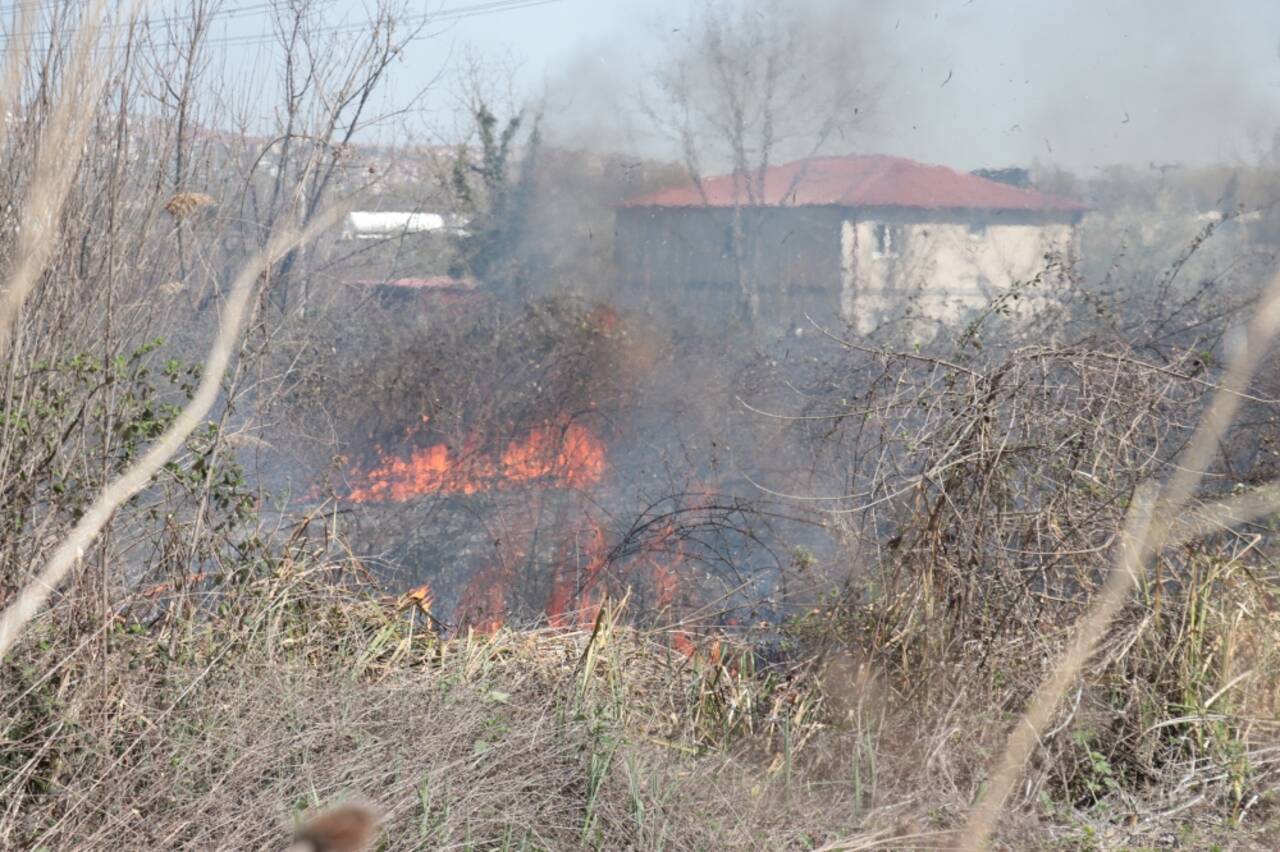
x,y
1077,83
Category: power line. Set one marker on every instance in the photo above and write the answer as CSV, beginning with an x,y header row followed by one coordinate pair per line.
x,y
471,11
222,14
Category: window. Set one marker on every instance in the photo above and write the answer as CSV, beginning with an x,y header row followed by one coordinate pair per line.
x,y
882,240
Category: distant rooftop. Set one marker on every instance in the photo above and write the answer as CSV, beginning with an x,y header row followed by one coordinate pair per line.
x,y
861,181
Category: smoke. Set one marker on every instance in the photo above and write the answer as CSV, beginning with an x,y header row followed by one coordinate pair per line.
x,y
968,84
803,74
715,85
1189,83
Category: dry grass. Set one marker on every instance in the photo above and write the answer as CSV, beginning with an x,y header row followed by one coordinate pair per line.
x,y
1151,519
295,692
217,718
275,681
976,552
183,204
138,475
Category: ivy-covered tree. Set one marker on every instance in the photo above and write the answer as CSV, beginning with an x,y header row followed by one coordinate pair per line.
x,y
495,195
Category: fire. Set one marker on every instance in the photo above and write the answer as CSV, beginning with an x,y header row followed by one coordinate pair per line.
x,y
573,455
579,581
581,576
576,595
569,456
420,598
483,605
665,560
579,565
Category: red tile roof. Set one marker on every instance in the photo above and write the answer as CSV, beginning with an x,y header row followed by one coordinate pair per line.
x,y
862,181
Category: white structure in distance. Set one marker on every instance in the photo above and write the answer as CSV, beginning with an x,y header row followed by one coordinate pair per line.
x,y
378,225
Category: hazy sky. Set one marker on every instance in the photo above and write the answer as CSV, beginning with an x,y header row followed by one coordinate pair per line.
x,y
965,82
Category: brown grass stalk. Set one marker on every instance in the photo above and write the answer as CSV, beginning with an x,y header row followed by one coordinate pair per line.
x,y
23,22
54,168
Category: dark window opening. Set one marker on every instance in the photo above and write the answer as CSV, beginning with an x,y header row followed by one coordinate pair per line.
x,y
884,241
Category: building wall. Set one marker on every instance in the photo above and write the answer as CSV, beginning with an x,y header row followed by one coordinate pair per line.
x,y
944,270
686,256
831,263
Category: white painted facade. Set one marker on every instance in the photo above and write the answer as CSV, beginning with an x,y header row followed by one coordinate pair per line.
x,y
941,271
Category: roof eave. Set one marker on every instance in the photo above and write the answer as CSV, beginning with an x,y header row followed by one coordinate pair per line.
x,y
1072,211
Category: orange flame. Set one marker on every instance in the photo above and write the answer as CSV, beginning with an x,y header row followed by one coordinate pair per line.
x,y
483,605
570,456
576,595
420,598
665,561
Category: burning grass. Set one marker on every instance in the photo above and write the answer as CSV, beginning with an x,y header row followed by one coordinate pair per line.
x,y
298,690
214,717
568,456
981,503
208,710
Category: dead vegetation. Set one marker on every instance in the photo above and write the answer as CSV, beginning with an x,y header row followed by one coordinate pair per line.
x,y
298,690
982,501
203,719
208,671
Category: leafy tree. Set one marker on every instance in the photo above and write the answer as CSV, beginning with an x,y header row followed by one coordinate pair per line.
x,y
496,199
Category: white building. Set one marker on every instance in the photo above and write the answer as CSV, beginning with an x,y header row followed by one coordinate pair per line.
x,y
862,238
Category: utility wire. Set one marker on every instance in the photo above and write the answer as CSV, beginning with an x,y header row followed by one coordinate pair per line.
x,y
222,13
149,21
444,14
477,10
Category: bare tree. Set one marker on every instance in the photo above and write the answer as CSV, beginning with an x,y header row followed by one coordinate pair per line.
x,y
329,79
745,85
